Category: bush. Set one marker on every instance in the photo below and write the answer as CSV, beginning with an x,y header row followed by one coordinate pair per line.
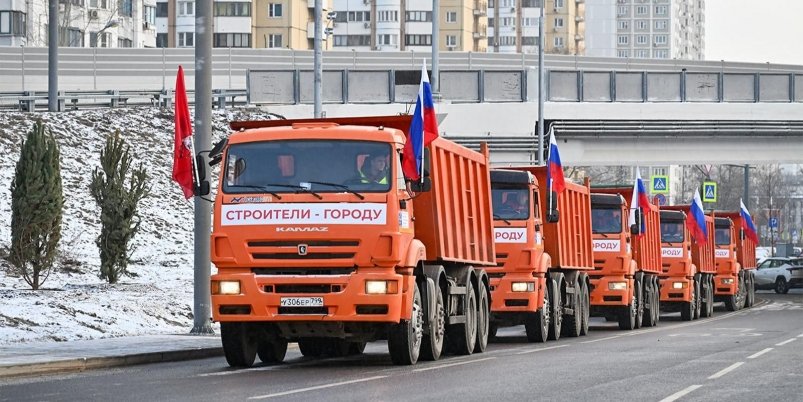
x,y
36,207
118,203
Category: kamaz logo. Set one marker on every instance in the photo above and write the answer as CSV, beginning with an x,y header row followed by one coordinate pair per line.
x,y
297,229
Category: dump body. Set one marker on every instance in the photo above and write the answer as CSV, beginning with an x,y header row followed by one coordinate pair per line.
x,y
518,279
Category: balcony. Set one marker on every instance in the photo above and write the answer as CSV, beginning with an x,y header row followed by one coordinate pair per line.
x,y
480,8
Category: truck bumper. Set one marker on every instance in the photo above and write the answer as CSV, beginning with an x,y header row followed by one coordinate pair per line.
x,y
344,298
505,300
670,292
726,284
603,295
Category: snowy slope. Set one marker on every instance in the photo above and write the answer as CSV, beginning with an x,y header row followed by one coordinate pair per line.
x,y
76,303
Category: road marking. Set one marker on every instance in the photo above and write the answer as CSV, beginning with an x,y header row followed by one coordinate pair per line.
x,y
239,371
757,354
785,342
800,336
317,387
603,339
726,370
440,366
540,349
681,393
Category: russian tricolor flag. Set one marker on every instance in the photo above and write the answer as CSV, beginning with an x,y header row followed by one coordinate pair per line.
x,y
638,201
423,130
554,171
747,223
695,220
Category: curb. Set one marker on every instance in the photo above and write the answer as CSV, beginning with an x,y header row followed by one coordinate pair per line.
x,y
89,363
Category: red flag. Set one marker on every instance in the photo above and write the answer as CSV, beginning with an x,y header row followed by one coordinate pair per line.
x,y
182,149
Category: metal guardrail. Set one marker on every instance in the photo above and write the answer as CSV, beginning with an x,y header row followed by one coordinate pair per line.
x,y
30,101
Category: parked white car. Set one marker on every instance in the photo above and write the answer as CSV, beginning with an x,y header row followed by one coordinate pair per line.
x,y
773,273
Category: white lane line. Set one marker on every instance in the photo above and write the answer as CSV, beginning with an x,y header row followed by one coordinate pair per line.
x,y
785,342
540,349
757,354
317,387
239,371
681,393
800,336
440,366
603,339
726,370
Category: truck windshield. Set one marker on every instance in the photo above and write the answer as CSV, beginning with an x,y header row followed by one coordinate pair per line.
x,y
316,166
606,220
671,232
722,236
511,203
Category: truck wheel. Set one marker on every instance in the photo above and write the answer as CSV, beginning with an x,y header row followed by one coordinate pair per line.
x,y
751,290
687,308
698,301
312,347
404,338
537,324
628,314
492,329
586,313
432,344
708,300
483,319
463,337
639,289
239,344
272,351
742,290
649,296
556,301
780,286
657,301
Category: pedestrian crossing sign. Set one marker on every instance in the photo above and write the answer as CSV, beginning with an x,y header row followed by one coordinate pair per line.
x,y
709,191
659,184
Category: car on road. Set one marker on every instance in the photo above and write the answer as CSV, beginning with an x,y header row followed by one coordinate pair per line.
x,y
775,273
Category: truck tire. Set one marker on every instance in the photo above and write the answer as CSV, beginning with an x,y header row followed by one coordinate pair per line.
x,y
463,337
432,343
751,290
585,298
556,301
698,301
628,314
742,289
707,309
356,348
687,308
312,347
639,290
732,301
781,287
573,322
649,296
272,351
537,324
483,318
239,343
404,338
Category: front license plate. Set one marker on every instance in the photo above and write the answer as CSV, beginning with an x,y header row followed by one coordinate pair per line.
x,y
301,302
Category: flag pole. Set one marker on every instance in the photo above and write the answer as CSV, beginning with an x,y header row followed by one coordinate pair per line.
x,y
423,126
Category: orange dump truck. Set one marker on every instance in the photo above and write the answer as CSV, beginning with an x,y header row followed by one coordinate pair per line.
x,y
540,279
687,278
735,256
627,261
311,248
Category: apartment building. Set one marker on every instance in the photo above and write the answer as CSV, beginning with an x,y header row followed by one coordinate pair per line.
x,y
290,24
175,23
82,23
657,29
513,26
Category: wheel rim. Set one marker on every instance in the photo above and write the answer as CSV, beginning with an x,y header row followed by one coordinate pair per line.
x,y
471,318
440,321
546,308
417,323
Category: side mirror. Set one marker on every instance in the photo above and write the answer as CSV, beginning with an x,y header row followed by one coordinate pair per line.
x,y
634,229
552,214
421,186
202,187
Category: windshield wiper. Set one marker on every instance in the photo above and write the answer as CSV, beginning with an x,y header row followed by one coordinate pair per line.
x,y
340,186
502,219
264,188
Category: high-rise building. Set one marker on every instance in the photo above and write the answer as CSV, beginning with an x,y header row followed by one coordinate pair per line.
x,y
82,23
513,26
658,29
289,24
175,21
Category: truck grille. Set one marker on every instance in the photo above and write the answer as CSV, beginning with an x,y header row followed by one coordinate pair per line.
x,y
501,259
266,250
287,271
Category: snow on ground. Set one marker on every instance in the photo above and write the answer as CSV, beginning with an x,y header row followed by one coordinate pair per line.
x,y
76,304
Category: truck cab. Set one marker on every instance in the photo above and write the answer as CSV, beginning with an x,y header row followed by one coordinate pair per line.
x,y
734,281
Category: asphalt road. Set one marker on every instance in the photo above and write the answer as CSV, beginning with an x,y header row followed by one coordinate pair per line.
x,y
750,355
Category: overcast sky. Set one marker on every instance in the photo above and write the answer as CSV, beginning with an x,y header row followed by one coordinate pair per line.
x,y
754,30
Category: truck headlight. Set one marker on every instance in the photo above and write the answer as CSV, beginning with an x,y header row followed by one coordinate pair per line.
x,y
617,285
381,287
727,281
522,286
678,285
225,287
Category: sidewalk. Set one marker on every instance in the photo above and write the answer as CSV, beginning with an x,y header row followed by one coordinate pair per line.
x,y
55,357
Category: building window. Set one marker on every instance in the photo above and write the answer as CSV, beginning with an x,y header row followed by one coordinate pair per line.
x,y
490,22
660,39
126,8
186,8
624,25
558,3
149,14
161,10
660,25
125,42
383,16
558,41
357,40
275,11
507,41
232,40
387,39
642,53
451,16
104,4
529,41
71,37
232,9
451,41
660,54
623,53
274,40
507,21
186,39
527,22
13,23
161,40
623,11
623,39
642,10
641,39
418,16
642,25
418,40
659,171
99,39
558,22
661,10
359,16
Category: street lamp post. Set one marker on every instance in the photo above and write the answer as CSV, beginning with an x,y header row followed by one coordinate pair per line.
x,y
110,24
